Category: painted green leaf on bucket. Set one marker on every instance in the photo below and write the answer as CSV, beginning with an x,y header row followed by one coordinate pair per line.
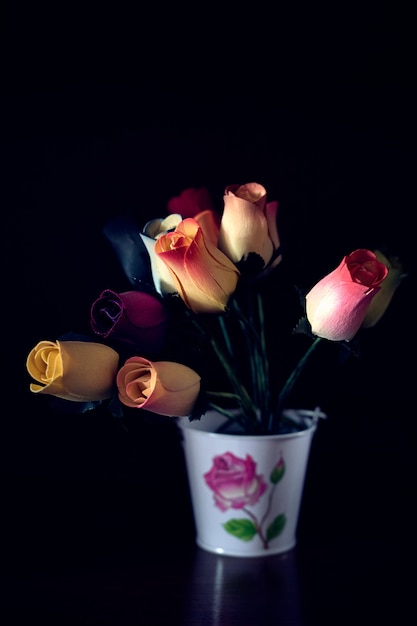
x,y
276,527
243,529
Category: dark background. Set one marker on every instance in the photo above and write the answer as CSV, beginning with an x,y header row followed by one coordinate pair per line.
x,y
107,111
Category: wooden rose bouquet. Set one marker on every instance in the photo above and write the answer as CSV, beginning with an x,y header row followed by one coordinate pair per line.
x,y
190,333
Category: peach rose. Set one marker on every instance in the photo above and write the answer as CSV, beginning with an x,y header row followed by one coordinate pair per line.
x,y
249,224
161,387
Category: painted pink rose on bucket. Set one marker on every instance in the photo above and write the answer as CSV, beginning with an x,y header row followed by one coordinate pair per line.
x,y
234,481
336,306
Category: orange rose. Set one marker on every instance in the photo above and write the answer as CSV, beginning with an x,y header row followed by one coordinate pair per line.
x,y
204,277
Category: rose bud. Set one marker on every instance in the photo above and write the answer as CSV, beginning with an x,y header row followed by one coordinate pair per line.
x,y
249,224
204,277
80,371
161,275
336,306
196,203
190,202
278,472
161,387
132,317
381,301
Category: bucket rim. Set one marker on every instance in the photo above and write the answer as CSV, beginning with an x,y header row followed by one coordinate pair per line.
x,y
309,418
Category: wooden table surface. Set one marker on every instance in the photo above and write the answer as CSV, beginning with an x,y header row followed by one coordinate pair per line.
x,y
328,582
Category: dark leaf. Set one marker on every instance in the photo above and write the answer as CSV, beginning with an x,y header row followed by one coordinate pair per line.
x,y
123,234
303,327
251,266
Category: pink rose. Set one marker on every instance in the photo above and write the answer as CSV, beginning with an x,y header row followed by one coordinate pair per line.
x,y
161,387
336,306
234,481
249,224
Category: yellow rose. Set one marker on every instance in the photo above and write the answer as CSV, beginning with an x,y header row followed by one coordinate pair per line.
x,y
382,299
80,371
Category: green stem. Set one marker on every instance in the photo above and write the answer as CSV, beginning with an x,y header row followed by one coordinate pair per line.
x,y
245,400
257,526
264,382
290,382
253,329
